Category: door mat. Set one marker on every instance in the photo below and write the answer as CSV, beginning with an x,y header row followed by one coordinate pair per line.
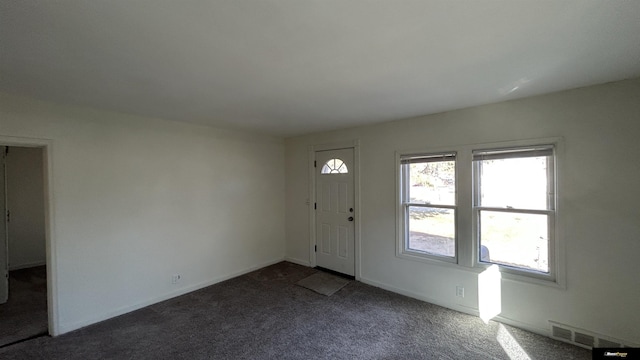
x,y
323,283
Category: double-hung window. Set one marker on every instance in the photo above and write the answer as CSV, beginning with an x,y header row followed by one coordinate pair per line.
x,y
428,205
514,204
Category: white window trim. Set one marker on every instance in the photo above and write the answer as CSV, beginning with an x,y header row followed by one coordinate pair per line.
x,y
466,241
550,213
402,249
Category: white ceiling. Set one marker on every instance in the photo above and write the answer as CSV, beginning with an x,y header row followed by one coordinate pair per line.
x,y
289,67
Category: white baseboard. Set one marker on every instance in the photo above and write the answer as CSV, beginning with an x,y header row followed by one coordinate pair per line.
x,y
456,307
297,261
27,265
65,328
523,326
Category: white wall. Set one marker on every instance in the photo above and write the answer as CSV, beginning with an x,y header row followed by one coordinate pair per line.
x,y
25,198
136,200
600,220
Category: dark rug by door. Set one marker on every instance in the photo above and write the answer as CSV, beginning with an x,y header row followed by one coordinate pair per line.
x,y
323,283
24,315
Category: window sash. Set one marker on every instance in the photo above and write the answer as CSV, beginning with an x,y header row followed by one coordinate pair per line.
x,y
407,237
519,269
423,158
515,210
451,207
515,153
405,162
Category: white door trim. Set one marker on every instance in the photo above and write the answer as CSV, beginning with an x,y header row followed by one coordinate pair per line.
x,y
4,238
355,145
47,148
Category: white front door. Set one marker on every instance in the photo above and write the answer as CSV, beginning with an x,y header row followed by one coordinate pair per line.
x,y
4,246
335,210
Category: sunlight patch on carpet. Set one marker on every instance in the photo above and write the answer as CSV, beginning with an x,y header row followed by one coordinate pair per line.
x,y
510,345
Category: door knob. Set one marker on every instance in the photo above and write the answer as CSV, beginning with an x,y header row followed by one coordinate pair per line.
x,y
350,218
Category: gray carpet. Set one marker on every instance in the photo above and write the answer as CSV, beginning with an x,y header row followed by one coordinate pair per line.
x,y
25,313
264,315
323,283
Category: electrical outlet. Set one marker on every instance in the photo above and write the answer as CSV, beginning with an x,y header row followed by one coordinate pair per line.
x,y
459,291
175,278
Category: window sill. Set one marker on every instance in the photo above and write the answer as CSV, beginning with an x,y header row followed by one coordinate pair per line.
x,y
506,274
427,258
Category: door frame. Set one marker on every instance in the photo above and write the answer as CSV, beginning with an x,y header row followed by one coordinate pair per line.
x,y
4,235
355,145
47,179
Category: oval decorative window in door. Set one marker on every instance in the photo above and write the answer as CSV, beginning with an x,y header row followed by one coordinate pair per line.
x,y
334,166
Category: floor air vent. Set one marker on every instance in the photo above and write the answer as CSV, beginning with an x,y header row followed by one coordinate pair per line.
x,y
582,338
561,333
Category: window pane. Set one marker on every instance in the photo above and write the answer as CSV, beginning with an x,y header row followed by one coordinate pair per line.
x,y
515,239
432,230
432,183
334,166
519,183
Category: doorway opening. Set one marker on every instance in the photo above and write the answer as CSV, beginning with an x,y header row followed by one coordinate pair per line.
x,y
24,310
